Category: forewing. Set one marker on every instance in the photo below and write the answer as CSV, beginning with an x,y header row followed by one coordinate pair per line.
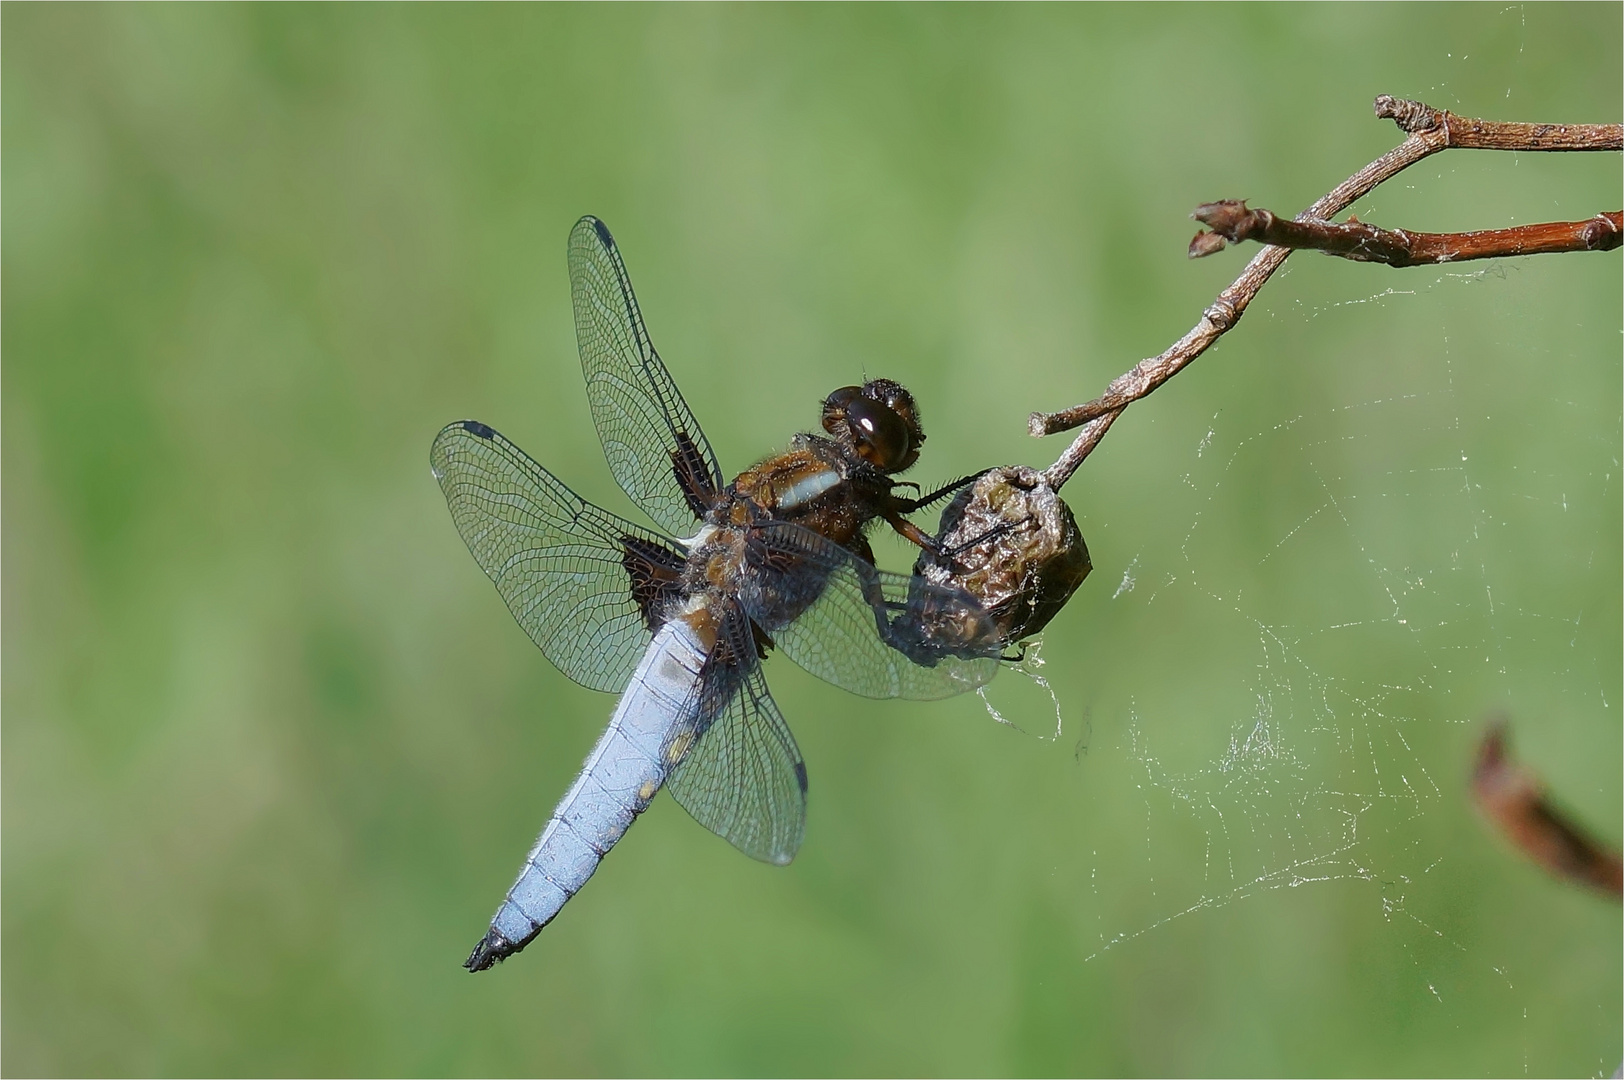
x,y
744,779
564,566
655,449
847,622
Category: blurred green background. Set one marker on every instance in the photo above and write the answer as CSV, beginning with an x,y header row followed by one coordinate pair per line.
x,y
273,748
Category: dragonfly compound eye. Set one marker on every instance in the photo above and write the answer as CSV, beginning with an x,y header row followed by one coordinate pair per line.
x,y
879,420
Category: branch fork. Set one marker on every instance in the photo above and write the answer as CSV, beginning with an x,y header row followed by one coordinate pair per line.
x,y
1430,130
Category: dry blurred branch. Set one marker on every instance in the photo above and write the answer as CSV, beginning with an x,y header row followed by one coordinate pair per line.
x,y
1430,130
1516,802
1231,221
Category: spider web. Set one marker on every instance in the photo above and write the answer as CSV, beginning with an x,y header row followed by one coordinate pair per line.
x,y
1334,596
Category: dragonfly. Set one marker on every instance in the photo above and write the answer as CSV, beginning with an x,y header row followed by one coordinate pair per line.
x,y
678,618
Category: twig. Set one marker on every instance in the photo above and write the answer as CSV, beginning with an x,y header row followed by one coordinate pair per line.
x,y
1430,130
1465,134
1515,801
1231,221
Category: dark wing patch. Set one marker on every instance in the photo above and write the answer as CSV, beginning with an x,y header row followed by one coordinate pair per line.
x,y
656,577
562,565
653,444
688,465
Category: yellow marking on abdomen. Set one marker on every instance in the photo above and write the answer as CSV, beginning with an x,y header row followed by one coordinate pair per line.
x,y
679,747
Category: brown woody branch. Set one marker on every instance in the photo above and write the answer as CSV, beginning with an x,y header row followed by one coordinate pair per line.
x,y
1231,221
1517,804
1430,130
1465,134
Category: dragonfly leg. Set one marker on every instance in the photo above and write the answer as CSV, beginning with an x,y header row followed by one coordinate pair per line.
x,y
1003,528
908,506
909,531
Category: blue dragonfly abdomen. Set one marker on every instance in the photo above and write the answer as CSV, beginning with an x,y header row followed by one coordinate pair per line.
x,y
648,736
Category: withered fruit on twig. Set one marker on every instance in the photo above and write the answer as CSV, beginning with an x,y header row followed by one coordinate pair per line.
x,y
1010,542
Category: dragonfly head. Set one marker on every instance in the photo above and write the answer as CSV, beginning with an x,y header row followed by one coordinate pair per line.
x,y
878,421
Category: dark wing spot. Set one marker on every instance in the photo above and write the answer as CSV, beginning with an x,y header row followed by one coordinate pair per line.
x,y
800,775
738,639
693,477
603,233
764,644
656,577
474,427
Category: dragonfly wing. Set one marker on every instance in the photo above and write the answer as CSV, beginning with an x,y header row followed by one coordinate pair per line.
x,y
655,449
743,778
587,586
874,633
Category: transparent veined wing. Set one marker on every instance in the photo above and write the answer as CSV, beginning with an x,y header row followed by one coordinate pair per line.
x,y
743,777
656,451
577,578
856,626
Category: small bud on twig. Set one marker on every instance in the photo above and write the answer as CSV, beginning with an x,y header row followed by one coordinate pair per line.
x,y
1204,244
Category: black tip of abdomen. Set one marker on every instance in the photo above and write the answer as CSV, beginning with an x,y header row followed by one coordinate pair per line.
x,y
492,950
